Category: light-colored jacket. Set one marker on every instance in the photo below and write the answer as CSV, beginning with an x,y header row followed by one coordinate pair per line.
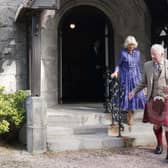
x,y
147,78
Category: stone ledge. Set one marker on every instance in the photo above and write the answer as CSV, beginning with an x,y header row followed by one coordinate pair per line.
x,y
96,141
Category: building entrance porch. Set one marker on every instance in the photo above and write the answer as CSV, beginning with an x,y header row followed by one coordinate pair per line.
x,y
79,126
86,126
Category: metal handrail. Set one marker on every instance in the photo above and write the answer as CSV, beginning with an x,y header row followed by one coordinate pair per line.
x,y
114,91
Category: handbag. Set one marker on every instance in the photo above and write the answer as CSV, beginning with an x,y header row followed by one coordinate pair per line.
x,y
158,105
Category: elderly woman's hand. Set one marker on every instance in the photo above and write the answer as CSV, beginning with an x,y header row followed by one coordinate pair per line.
x,y
114,75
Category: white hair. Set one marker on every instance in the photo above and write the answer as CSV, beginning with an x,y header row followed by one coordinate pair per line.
x,y
158,47
130,40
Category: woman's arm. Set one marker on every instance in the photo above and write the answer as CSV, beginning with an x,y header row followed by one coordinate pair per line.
x,y
119,63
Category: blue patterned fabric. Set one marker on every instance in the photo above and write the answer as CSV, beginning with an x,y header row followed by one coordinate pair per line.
x,y
129,68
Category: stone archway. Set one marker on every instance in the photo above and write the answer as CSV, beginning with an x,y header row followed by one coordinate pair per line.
x,y
82,65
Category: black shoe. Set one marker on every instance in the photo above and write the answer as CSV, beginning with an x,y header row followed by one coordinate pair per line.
x,y
159,150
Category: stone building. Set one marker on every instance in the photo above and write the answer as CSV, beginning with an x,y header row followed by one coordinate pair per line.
x,y
45,48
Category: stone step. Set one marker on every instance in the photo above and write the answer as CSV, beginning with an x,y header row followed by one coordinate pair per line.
x,y
91,129
146,139
77,142
57,131
79,119
142,133
69,118
84,127
63,120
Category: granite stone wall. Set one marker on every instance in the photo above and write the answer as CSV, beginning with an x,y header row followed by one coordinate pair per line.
x,y
13,60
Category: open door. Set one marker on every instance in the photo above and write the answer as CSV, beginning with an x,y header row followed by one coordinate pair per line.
x,y
84,55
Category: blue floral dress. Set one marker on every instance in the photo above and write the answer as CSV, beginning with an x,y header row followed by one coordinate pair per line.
x,y
129,68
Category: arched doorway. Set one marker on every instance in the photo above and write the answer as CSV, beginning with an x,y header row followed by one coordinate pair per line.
x,y
86,44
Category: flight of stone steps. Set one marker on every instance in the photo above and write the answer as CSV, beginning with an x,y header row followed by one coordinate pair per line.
x,y
75,127
86,126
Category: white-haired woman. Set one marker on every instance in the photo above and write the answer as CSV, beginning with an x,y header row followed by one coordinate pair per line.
x,y
128,70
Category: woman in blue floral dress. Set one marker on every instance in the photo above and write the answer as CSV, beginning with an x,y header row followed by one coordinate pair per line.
x,y
128,70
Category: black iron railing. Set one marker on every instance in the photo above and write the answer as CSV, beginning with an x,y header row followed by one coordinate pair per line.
x,y
113,100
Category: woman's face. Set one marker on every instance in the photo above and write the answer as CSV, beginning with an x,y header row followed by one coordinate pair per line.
x,y
131,47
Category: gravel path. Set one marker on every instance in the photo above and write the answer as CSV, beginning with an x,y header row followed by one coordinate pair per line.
x,y
118,158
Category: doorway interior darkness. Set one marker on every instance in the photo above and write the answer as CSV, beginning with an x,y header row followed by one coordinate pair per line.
x,y
83,66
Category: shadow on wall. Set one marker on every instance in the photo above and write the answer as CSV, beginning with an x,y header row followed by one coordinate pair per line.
x,y
7,51
13,48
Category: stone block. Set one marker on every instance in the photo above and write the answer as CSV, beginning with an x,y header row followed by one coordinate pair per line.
x,y
36,140
36,125
36,111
